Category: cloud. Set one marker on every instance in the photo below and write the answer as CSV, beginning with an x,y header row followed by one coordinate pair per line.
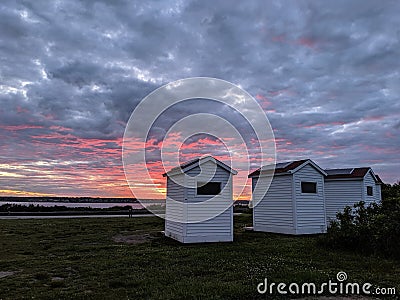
x,y
326,74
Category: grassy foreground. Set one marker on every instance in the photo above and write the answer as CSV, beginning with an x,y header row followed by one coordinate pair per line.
x,y
121,258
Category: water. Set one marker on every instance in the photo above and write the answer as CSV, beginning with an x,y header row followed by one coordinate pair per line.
x,y
135,205
73,217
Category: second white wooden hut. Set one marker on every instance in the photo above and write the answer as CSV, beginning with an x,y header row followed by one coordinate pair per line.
x,y
295,200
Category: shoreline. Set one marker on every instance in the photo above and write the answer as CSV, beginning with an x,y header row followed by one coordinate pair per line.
x,y
76,213
72,216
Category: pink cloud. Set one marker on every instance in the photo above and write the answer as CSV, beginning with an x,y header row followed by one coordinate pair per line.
x,y
336,123
279,38
19,127
22,110
264,101
307,42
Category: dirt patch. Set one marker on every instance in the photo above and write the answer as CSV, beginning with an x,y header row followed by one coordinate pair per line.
x,y
133,239
6,273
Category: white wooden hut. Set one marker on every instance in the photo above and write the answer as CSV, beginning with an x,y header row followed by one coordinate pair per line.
x,y
344,187
199,203
295,200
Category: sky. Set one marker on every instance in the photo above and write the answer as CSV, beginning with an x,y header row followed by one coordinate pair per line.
x,y
326,74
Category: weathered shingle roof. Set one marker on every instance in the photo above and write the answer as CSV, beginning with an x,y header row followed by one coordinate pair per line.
x,y
339,171
194,162
343,173
355,173
379,179
184,165
280,167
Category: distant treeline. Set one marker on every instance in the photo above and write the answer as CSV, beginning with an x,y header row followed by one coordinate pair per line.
x,y
5,208
390,191
69,199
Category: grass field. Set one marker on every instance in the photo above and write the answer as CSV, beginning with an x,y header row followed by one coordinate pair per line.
x,y
121,258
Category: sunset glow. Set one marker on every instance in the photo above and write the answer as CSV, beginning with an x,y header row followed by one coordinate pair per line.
x,y
328,86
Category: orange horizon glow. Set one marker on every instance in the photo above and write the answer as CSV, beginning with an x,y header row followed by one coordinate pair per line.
x,y
77,172
10,193
92,167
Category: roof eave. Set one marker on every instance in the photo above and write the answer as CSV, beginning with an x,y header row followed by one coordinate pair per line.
x,y
309,161
198,163
269,175
344,178
373,175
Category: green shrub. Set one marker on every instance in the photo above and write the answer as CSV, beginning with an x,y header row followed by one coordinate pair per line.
x,y
373,229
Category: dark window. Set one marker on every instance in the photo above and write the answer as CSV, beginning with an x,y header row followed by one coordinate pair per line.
x,y
309,187
209,188
370,191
